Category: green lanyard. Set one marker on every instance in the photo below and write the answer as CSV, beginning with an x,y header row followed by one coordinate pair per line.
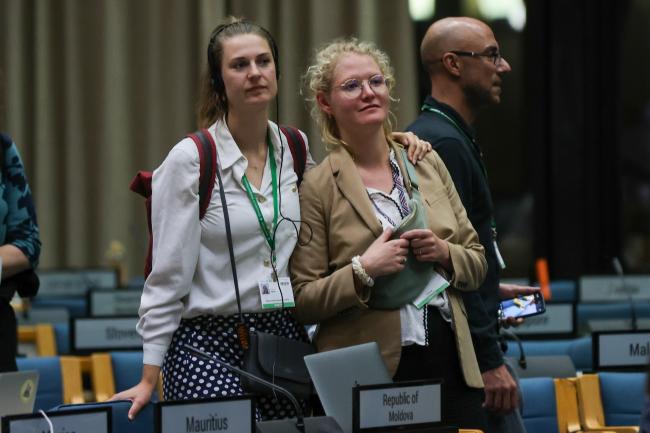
x,y
427,107
266,231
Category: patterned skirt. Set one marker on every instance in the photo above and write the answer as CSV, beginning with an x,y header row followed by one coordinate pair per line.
x,y
185,376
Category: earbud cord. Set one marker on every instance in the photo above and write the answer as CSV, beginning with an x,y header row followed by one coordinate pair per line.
x,y
47,420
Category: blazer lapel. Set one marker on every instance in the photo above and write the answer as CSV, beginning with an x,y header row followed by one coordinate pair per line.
x,y
349,183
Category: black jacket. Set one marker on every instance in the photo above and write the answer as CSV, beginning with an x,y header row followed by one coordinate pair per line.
x,y
457,147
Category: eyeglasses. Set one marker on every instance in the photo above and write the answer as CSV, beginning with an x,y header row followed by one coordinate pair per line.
x,y
352,87
494,56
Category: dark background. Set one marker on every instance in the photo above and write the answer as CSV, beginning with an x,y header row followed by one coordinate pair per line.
x,y
568,149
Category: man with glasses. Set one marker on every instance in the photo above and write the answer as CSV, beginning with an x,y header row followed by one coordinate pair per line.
x,y
462,58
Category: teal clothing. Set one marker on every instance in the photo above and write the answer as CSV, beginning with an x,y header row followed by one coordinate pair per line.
x,y
18,224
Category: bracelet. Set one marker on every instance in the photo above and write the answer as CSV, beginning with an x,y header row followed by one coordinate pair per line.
x,y
361,273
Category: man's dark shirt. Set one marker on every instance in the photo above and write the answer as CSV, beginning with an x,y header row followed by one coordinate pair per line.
x,y
462,157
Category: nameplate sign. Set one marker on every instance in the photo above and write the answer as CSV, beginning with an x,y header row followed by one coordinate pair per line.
x,y
75,282
621,349
557,320
104,333
114,302
96,420
614,288
385,407
223,415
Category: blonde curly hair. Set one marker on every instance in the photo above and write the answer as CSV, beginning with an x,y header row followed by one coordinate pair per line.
x,y
320,75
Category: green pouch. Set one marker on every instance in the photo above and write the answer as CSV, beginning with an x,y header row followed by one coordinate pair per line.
x,y
393,291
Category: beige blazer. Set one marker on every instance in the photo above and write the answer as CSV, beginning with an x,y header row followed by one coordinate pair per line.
x,y
338,222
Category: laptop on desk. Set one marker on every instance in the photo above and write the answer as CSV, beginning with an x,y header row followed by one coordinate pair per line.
x,y
18,392
336,372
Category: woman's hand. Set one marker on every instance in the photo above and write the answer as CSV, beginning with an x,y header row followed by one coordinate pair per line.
x,y
385,256
428,247
140,395
415,148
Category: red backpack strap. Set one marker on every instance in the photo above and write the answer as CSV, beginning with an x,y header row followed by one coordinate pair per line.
x,y
208,167
298,149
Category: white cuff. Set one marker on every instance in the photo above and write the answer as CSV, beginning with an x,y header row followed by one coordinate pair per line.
x,y
153,354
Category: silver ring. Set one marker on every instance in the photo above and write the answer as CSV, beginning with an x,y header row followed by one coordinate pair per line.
x,y
404,259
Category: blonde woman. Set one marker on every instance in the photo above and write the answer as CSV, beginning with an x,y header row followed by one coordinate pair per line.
x,y
351,203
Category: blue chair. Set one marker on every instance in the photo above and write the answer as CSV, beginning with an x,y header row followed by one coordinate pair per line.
x,y
50,381
618,312
623,396
127,370
115,372
143,422
579,350
539,409
76,306
62,336
580,353
563,291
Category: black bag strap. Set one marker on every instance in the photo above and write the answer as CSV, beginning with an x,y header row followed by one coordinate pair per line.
x,y
298,150
207,142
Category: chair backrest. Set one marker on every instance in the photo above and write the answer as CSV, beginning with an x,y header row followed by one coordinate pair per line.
x,y
76,306
590,402
62,336
578,349
580,353
50,383
42,335
563,291
546,366
143,422
127,369
623,396
568,414
33,316
114,372
539,410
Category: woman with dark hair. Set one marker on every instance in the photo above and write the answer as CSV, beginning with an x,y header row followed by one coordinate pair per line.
x,y
189,296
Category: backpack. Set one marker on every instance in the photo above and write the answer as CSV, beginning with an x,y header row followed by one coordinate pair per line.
x,y
207,148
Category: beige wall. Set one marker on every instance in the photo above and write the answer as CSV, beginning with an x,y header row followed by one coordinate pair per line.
x,y
94,90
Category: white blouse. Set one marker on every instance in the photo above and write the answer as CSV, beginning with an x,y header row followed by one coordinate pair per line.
x,y
191,273
387,208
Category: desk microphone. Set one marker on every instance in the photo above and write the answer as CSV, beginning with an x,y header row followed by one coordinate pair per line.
x,y
313,424
300,421
618,268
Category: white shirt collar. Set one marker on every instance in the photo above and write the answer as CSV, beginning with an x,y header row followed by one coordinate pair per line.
x,y
229,152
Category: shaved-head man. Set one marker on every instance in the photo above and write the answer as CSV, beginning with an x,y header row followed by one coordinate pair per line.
x,y
465,66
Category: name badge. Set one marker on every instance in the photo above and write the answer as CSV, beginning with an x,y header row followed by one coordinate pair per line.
x,y
223,415
276,294
96,420
416,404
436,286
502,263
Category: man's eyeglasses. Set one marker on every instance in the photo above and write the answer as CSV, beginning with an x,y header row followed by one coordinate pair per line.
x,y
494,56
352,87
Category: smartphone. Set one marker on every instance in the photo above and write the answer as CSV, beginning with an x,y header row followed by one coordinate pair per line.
x,y
522,306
